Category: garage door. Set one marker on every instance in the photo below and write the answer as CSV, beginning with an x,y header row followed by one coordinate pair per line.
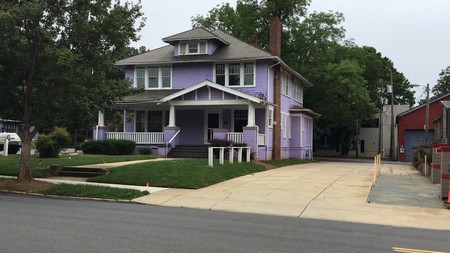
x,y
413,139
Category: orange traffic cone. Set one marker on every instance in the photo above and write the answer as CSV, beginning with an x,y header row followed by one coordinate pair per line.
x,y
147,184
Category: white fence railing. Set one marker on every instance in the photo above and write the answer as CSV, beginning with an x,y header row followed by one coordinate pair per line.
x,y
238,138
235,137
139,138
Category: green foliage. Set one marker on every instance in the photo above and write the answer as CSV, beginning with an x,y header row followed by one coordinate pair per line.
x,y
108,147
90,191
443,84
144,151
57,60
287,162
50,145
180,173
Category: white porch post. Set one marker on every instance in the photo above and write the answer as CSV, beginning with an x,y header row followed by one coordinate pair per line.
x,y
101,119
251,115
172,116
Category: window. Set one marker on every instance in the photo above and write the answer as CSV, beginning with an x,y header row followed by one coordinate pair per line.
x,y
298,89
153,77
155,121
192,48
270,117
165,74
235,74
285,83
140,121
248,73
157,77
285,125
220,74
240,120
140,77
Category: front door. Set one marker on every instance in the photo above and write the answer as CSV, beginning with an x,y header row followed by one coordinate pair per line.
x,y
212,121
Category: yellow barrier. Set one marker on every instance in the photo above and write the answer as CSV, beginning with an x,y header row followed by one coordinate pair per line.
x,y
376,167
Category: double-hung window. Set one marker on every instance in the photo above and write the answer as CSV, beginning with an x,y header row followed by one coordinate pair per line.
x,y
140,77
154,77
235,74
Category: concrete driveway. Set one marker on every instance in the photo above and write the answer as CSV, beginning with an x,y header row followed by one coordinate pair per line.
x,y
324,190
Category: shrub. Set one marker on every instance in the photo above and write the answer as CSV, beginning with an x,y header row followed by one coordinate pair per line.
x,y
108,147
144,151
50,145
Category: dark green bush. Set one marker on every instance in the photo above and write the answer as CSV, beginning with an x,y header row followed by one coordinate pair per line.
x,y
144,151
108,147
50,145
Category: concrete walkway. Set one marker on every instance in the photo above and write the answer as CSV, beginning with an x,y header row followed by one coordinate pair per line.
x,y
325,190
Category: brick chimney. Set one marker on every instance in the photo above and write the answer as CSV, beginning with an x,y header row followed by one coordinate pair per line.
x,y
275,50
275,36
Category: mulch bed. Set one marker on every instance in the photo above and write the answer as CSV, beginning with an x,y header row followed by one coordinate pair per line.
x,y
24,186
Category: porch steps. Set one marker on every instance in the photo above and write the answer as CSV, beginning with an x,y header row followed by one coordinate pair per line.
x,y
189,151
77,171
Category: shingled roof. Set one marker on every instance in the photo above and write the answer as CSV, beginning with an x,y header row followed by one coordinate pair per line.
x,y
199,33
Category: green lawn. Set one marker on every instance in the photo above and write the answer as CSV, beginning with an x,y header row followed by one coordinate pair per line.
x,y
183,173
88,191
9,165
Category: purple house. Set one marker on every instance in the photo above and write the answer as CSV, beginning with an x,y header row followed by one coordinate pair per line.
x,y
209,85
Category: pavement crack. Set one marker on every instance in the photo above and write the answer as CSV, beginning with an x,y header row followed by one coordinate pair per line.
x,y
326,188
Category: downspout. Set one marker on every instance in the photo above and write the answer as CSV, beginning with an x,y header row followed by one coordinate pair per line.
x,y
268,96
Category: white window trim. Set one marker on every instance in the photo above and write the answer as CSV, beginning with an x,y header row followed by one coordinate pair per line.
x,y
241,72
160,78
285,125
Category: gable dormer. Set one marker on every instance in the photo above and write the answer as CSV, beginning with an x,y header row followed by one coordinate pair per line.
x,y
198,41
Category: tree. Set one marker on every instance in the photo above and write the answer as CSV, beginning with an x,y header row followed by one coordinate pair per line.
x,y
58,56
443,84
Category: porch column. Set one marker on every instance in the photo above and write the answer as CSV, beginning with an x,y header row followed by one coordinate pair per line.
x,y
101,118
251,115
172,116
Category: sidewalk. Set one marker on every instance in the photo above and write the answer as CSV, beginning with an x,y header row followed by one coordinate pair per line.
x,y
325,190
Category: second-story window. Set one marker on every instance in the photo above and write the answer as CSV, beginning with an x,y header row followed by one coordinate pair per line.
x,y
154,77
194,47
235,74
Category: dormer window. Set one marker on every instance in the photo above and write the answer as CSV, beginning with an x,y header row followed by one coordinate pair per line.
x,y
194,47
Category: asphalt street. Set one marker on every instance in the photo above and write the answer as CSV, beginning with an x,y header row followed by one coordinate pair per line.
x,y
41,224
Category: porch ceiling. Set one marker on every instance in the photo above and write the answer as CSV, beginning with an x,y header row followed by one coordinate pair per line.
x,y
306,111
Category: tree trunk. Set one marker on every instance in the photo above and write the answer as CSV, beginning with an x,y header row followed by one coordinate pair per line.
x,y
25,172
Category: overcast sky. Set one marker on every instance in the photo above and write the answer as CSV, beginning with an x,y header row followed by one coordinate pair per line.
x,y
414,34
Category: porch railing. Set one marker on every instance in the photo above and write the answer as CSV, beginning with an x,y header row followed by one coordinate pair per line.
x,y
235,137
138,138
238,138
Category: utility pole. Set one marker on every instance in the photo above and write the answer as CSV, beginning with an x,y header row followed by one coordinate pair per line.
x,y
391,145
380,120
427,112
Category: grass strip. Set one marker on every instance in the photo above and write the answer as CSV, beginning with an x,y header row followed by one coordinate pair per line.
x,y
182,173
89,191
9,165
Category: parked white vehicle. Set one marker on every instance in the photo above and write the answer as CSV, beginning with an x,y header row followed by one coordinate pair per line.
x,y
14,142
